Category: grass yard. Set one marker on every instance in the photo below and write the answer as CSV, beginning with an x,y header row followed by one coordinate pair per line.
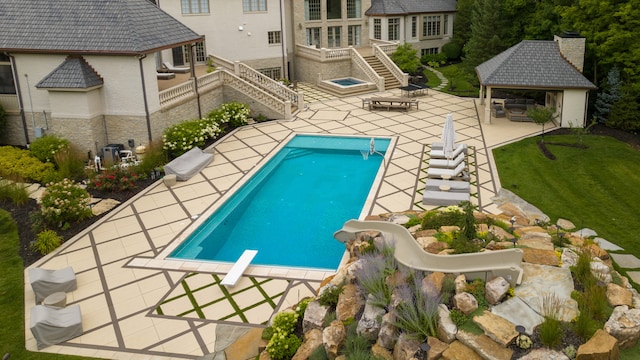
x,y
461,81
595,188
12,297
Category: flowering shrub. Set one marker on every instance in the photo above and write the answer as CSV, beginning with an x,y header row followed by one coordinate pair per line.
x,y
284,343
115,179
182,137
234,114
46,147
65,202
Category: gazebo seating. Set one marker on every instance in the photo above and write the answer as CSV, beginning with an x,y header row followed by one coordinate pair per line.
x,y
52,326
45,282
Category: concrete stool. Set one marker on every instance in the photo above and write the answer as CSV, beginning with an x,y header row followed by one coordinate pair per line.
x,y
169,180
56,300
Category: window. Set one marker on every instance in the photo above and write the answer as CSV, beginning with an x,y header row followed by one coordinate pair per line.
x,y
274,73
313,37
445,25
430,51
353,9
377,29
312,9
334,9
394,29
353,34
254,5
333,34
6,79
182,54
195,6
274,37
414,26
431,25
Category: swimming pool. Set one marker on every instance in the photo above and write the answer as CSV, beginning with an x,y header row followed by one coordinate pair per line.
x,y
289,209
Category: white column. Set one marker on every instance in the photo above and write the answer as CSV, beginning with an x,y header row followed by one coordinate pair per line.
x,y
487,107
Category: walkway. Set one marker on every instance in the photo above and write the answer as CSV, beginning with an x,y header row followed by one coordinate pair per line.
x,y
135,305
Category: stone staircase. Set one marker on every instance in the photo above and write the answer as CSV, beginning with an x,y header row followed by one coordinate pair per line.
x,y
390,82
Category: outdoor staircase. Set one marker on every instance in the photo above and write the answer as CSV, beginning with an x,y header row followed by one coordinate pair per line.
x,y
390,82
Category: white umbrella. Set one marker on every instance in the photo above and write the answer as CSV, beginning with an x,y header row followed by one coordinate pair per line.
x,y
448,137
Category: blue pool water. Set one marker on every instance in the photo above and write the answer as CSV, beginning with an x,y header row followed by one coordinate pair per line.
x,y
347,81
291,207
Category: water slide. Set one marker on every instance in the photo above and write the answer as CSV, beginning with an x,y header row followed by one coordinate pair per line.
x,y
483,265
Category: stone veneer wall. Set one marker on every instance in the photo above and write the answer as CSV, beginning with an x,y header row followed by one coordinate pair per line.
x,y
572,48
307,70
231,94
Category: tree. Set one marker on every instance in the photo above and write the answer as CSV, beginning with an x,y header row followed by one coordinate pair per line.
x,y
542,115
488,28
625,113
406,57
609,95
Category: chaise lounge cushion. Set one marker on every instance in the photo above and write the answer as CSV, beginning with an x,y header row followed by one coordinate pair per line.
x,y
188,164
52,326
45,282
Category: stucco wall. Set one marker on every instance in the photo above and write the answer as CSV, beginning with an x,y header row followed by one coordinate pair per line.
x,y
574,102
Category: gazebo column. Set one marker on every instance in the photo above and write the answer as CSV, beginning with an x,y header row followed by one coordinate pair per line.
x,y
487,107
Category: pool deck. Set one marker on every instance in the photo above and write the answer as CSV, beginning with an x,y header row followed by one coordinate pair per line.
x,y
136,306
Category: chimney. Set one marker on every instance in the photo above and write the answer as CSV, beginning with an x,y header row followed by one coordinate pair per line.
x,y
572,46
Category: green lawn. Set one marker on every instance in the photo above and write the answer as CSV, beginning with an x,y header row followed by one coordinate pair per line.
x,y
596,188
12,297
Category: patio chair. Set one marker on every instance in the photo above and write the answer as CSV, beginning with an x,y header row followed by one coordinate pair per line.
x,y
438,153
45,282
52,326
442,173
180,70
444,198
165,75
447,163
188,164
452,185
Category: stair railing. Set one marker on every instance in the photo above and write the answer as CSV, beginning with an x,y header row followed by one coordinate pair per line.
x,y
381,53
363,65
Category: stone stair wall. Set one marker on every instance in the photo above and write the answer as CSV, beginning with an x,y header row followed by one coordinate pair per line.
x,y
390,82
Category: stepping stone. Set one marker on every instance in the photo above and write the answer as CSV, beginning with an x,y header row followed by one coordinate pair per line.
x,y
540,280
606,245
626,261
635,276
519,313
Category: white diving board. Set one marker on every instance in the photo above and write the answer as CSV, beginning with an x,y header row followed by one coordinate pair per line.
x,y
238,268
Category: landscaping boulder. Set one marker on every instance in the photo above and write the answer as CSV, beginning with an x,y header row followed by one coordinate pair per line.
x,y
406,347
333,337
600,270
461,283
436,348
458,351
388,334
495,289
350,302
446,328
617,295
569,257
465,302
312,341
314,316
432,283
544,354
370,322
601,346
484,346
380,352
624,325
496,327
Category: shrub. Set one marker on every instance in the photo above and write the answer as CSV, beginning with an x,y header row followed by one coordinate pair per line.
x,y
70,164
550,332
182,137
434,60
468,224
356,347
458,317
372,276
448,288
302,307
319,354
329,296
46,147
234,114
406,57
582,269
46,241
285,321
570,351
418,314
434,219
154,157
17,163
283,344
114,179
452,50
477,289
14,192
65,202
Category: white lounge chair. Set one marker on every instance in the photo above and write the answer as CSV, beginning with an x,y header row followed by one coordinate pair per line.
x,y
444,198
441,173
483,265
452,185
188,164
165,75
439,152
175,69
232,277
447,163
45,282
52,326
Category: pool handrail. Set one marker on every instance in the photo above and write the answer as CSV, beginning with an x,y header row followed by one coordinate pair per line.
x,y
482,265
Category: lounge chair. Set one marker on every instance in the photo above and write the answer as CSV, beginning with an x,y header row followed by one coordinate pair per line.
x,y
45,282
180,70
52,326
444,198
442,173
452,185
482,265
439,153
447,163
165,75
188,164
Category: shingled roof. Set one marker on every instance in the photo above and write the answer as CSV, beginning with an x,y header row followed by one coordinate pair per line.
x,y
407,7
116,27
532,64
73,73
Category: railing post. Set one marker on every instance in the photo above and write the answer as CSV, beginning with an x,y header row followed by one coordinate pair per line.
x,y
319,79
300,100
287,110
323,54
405,79
236,68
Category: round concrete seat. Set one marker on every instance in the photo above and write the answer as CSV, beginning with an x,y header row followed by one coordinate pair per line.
x,y
56,300
169,180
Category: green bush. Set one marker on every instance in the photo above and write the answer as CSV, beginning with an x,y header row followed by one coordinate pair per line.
x,y
329,296
283,346
458,317
17,163
153,157
65,202
114,179
550,332
182,137
418,314
476,288
302,307
14,192
234,114
452,50
70,164
434,219
46,241
46,147
406,57
285,321
434,60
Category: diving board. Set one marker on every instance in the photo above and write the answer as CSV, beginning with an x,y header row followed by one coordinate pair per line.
x,y
232,277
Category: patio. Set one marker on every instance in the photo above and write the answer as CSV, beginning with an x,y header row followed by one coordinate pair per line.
x,y
135,306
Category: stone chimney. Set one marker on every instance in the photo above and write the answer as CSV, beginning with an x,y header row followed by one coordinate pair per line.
x,y
572,47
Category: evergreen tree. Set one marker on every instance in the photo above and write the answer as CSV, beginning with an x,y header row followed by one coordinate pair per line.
x,y
609,95
487,32
625,113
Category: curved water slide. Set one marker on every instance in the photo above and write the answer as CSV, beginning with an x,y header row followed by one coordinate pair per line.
x,y
483,265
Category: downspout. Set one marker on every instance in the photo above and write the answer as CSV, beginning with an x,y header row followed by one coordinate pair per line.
x,y
16,79
195,79
144,96
282,45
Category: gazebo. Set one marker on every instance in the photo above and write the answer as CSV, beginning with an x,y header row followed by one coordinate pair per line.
x,y
554,67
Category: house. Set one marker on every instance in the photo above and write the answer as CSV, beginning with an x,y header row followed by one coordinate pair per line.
x,y
552,67
85,70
